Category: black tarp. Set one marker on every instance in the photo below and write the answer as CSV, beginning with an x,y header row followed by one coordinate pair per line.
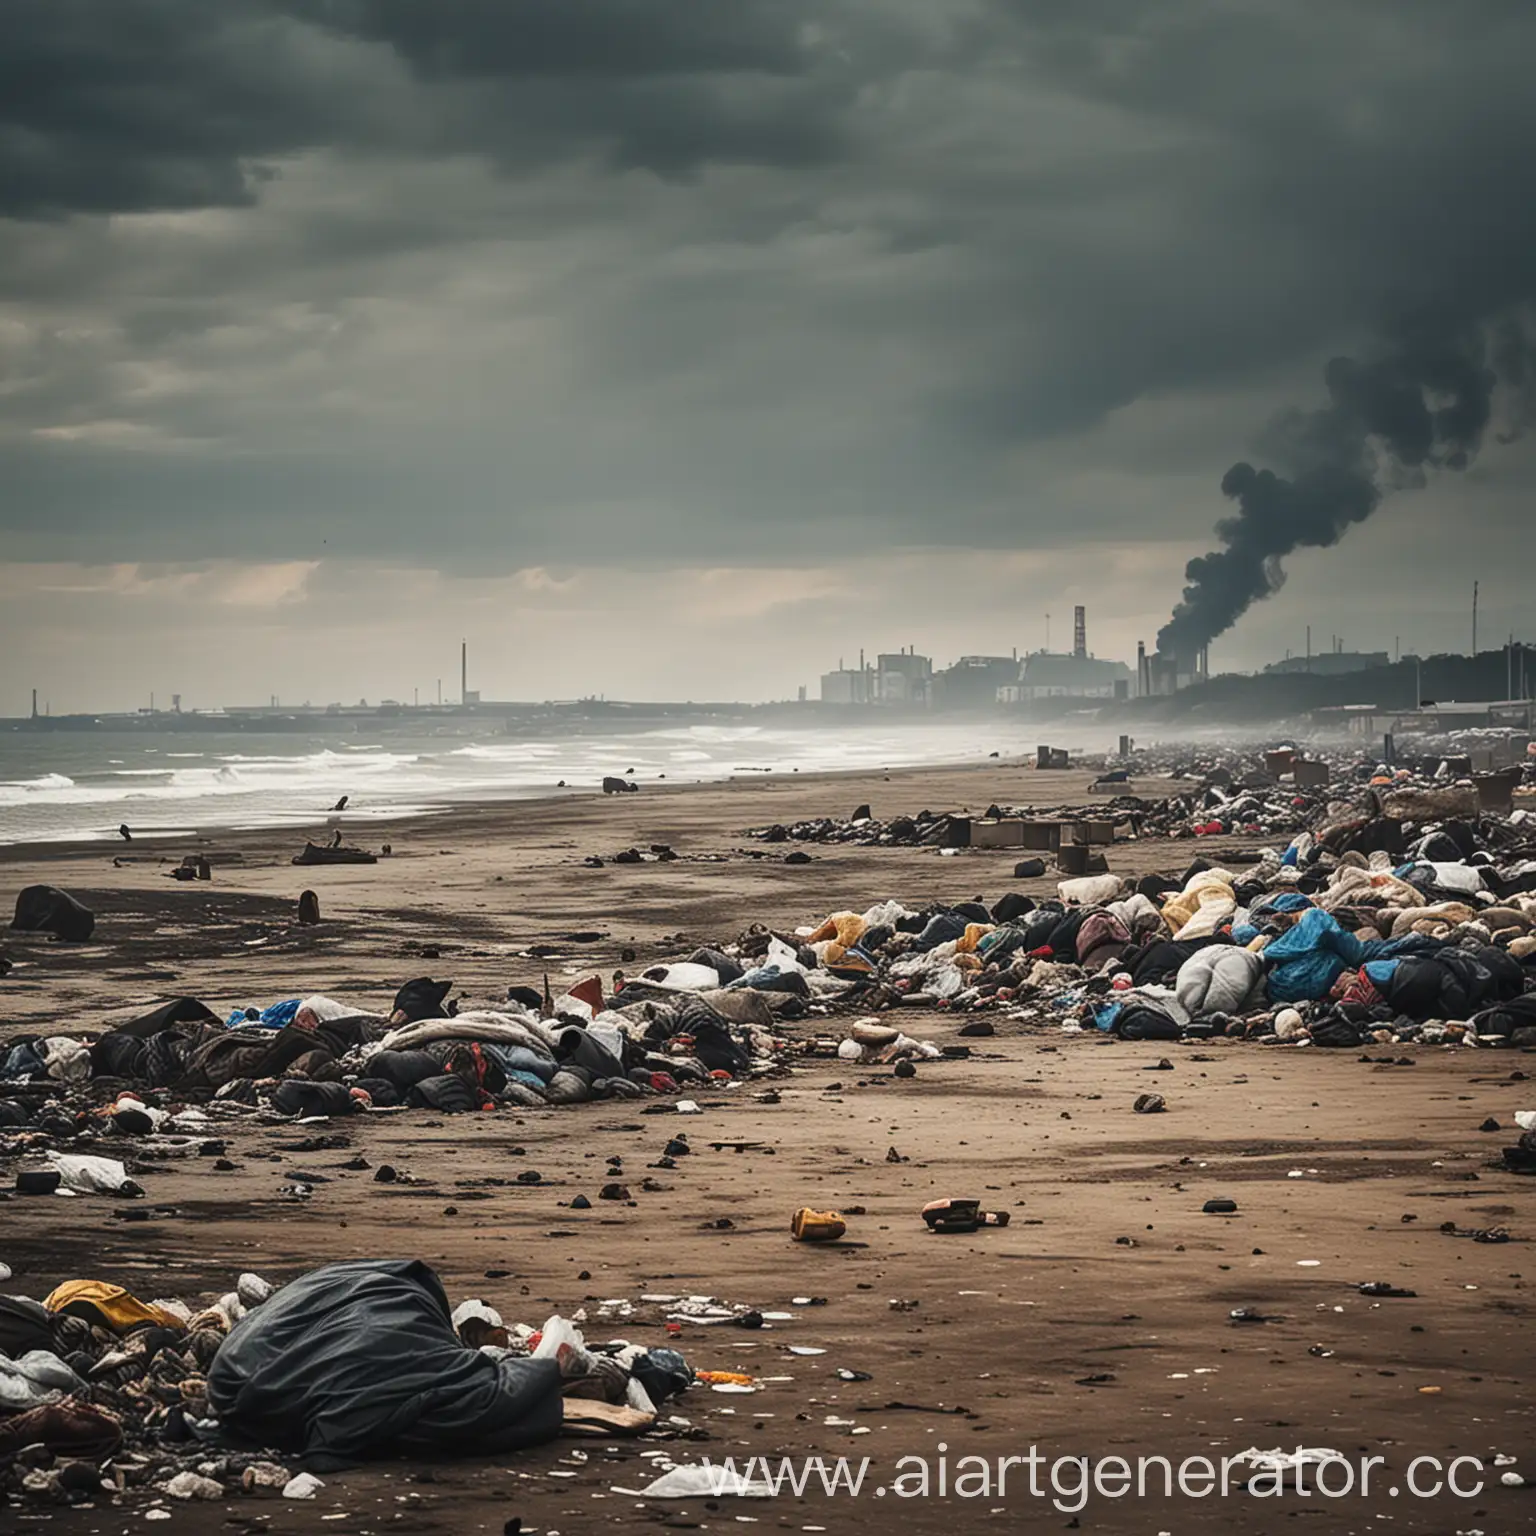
x,y
46,909
24,1325
179,1010
297,1097
422,998
359,1360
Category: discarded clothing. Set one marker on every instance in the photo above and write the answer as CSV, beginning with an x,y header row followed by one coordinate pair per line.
x,y
107,1306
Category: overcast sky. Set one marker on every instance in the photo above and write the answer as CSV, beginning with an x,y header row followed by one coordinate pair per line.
x,y
675,348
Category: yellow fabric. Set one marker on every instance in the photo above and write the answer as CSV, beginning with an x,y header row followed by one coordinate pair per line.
x,y
117,1308
973,935
846,927
1178,910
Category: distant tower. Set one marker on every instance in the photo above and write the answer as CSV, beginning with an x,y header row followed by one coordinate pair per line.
x,y
1080,631
463,671
34,703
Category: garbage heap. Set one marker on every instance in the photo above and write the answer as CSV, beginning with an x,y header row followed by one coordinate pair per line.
x,y
256,1391
705,1020
1374,926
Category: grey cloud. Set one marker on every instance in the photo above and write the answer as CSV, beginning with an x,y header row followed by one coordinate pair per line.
x,y
505,281
153,104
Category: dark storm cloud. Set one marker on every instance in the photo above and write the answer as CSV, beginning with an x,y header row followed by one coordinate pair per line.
x,y
606,39
669,274
123,105
148,104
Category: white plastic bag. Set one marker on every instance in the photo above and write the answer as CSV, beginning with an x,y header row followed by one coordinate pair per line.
x,y
37,1377
701,1482
781,955
93,1175
562,1342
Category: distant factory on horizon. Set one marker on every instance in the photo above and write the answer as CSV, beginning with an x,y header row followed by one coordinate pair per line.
x,y
906,679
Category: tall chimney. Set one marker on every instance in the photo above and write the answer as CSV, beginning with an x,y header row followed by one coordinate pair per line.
x,y
463,671
1142,682
1080,631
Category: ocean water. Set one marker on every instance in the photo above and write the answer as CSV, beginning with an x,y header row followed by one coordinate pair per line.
x,y
81,785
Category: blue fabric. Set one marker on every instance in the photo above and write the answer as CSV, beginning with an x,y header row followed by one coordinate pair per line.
x,y
1244,933
1285,902
520,1062
768,978
1105,1016
1308,958
1292,856
1380,973
527,1079
278,1016
21,1061
1394,949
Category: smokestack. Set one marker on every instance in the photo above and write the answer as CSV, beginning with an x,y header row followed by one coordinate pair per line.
x,y
34,703
1474,621
463,671
1142,688
1424,402
1080,632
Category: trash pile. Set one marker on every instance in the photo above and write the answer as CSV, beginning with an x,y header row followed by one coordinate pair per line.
x,y
1372,927
708,1020
101,1392
1258,802
946,829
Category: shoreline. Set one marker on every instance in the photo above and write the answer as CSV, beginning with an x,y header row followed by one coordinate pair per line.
x,y
490,803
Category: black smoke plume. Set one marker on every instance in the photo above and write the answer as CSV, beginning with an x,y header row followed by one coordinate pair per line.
x,y
1423,404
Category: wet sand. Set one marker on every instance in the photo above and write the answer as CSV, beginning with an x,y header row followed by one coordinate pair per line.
x,y
1096,1324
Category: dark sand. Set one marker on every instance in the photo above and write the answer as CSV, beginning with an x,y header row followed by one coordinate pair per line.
x,y
1050,1333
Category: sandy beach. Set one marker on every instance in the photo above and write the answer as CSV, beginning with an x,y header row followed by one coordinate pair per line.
x,y
1096,1324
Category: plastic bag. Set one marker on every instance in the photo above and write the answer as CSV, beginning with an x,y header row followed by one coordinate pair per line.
x,y
38,1377
93,1175
781,955
663,1373
561,1341
702,1482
